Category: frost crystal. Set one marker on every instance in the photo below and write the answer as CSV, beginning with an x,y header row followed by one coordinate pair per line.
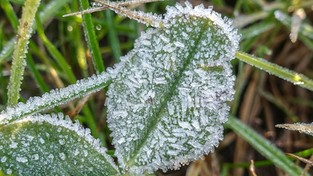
x,y
62,152
169,96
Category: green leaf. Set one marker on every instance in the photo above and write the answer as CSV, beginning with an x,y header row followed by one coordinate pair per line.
x,y
169,96
51,145
263,146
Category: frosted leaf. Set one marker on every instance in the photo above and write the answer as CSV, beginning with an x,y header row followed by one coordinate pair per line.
x,y
55,97
169,96
301,127
62,153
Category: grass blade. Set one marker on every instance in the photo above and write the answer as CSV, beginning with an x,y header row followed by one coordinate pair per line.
x,y
113,39
263,146
288,75
91,38
55,98
50,10
55,53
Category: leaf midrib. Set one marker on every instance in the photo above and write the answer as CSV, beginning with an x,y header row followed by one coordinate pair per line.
x,y
168,95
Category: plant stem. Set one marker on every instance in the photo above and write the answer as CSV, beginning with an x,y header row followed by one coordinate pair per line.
x,y
21,47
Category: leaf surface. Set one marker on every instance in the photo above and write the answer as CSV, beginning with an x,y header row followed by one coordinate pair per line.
x,y
169,96
51,145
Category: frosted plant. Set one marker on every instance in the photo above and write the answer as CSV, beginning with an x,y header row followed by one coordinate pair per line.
x,y
167,102
55,98
168,99
51,145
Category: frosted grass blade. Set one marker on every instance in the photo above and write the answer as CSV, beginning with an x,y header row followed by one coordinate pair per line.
x,y
281,72
301,127
55,98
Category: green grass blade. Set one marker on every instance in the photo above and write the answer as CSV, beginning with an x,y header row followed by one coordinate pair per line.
x,y
288,75
7,50
21,48
263,146
3,87
37,76
8,10
113,39
55,53
50,10
91,38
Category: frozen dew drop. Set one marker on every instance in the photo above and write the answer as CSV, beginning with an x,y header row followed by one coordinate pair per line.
x,y
51,156
62,156
35,157
61,141
13,145
69,28
22,159
98,27
9,171
3,159
41,140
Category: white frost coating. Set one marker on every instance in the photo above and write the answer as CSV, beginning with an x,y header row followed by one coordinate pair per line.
x,y
169,96
145,18
55,97
72,143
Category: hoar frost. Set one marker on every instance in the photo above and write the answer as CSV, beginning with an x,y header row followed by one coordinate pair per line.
x,y
169,96
50,145
167,103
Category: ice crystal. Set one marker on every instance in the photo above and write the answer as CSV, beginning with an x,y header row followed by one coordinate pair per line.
x,y
169,96
68,149
55,97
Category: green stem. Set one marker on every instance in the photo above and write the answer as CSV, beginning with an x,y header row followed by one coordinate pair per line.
x,y
281,72
21,47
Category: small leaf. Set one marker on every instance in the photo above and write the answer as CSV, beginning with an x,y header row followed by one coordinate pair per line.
x,y
169,96
51,145
301,127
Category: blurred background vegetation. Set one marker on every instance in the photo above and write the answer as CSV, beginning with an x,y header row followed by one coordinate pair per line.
x,y
280,31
